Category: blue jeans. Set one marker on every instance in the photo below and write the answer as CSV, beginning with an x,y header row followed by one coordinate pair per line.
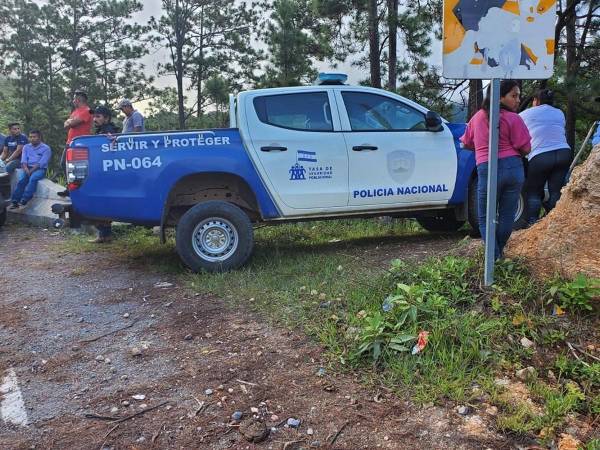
x,y
27,185
511,177
13,165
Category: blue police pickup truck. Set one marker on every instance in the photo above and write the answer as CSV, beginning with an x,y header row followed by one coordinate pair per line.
x,y
291,154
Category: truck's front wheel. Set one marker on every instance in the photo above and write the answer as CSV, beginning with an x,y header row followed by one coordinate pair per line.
x,y
214,236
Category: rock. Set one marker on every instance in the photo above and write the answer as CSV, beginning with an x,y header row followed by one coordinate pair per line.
x,y
526,343
208,392
143,406
138,397
123,377
315,444
107,360
230,390
293,422
188,337
326,304
126,315
125,403
464,410
114,410
254,409
501,382
523,374
274,418
80,320
568,442
237,416
322,296
135,351
253,430
163,284
310,432
491,411
99,358
551,376
140,439
313,292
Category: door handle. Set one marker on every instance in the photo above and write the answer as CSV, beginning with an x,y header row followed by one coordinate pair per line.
x,y
273,149
362,148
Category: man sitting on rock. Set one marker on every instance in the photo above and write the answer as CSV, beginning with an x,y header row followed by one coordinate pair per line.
x,y
34,162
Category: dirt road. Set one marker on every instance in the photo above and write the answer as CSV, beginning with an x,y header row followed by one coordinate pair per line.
x,y
86,343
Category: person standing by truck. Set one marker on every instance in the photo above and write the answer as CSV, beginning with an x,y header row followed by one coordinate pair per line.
x,y
134,121
12,147
79,123
550,155
513,143
34,162
104,125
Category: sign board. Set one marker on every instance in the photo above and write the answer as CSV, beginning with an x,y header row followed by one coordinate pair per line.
x,y
485,39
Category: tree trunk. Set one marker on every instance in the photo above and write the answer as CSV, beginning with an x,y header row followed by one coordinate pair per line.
x,y
392,43
374,60
571,56
179,42
475,97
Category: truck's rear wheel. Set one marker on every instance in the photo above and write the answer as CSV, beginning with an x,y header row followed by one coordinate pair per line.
x,y
444,221
214,236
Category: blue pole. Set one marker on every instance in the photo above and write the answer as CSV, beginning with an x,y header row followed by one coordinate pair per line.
x,y
492,184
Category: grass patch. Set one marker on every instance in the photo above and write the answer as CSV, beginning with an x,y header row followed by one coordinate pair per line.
x,y
427,330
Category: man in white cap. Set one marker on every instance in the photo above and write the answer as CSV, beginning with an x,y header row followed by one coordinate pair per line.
x,y
134,121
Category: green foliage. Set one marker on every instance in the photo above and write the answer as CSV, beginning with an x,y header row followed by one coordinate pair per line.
x,y
577,295
292,42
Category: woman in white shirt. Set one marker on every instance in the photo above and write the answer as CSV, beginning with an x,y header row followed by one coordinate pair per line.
x,y
550,155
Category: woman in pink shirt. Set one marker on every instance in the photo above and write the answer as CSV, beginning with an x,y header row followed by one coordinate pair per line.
x,y
513,143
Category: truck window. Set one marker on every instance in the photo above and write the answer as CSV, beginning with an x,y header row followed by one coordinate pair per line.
x,y
308,111
372,112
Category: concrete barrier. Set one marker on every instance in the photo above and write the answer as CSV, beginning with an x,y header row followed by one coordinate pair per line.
x,y
39,209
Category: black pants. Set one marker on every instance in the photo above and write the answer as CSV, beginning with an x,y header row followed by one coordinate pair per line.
x,y
550,167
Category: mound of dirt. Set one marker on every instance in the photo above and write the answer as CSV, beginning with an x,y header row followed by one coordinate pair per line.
x,y
567,241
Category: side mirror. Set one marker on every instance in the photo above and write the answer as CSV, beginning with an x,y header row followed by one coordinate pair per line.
x,y
433,121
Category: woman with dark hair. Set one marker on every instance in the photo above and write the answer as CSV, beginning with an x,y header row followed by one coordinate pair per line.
x,y
550,155
513,143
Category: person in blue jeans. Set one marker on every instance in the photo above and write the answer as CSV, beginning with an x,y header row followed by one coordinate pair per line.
x,y
34,162
514,142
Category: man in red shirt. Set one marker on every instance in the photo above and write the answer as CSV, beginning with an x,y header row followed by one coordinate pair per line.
x,y
79,123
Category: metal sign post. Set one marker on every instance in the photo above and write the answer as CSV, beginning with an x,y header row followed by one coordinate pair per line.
x,y
492,184
485,40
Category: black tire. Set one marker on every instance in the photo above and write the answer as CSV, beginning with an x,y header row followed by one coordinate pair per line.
x,y
520,218
2,217
214,236
444,221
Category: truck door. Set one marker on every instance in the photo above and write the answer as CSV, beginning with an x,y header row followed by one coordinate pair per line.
x,y
393,158
298,148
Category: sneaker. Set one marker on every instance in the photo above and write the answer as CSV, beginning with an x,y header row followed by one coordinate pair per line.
x,y
23,204
101,240
14,205
64,193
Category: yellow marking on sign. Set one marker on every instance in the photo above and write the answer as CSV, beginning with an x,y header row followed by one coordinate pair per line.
x,y
476,61
544,5
512,7
530,53
454,32
550,46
